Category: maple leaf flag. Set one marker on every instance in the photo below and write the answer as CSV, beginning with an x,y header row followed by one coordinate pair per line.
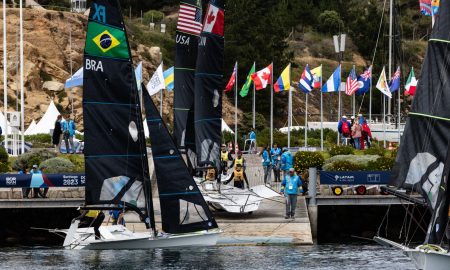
x,y
214,20
262,77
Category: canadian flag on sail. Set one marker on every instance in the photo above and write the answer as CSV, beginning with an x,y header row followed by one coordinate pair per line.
x,y
262,77
214,20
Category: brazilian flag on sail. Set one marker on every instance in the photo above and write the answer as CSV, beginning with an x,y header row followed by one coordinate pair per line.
x,y
106,41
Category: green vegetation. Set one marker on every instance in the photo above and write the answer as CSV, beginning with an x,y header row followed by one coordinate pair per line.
x,y
306,160
40,140
27,160
341,150
154,16
57,165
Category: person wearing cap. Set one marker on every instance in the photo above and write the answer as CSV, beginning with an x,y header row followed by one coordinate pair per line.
x,y
36,191
344,128
291,187
225,157
275,154
286,161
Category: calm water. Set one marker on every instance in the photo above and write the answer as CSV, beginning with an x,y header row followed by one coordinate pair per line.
x,y
326,257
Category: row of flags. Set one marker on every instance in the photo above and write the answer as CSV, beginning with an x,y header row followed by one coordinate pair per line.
x,y
160,79
312,79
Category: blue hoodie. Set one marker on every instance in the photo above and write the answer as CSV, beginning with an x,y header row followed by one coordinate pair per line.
x,y
287,161
266,158
69,126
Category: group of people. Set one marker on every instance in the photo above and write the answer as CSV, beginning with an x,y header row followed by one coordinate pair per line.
x,y
276,160
355,132
238,165
37,192
64,130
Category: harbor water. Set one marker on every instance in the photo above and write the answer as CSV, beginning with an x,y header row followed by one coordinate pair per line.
x,y
323,257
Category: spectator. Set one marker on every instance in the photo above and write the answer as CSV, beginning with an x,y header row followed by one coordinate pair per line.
x,y
57,132
290,187
225,157
344,129
230,147
352,122
252,138
69,129
366,134
43,194
238,177
25,191
36,191
116,216
356,134
267,164
286,161
275,154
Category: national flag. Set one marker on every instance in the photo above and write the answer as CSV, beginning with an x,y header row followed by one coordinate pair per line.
x,y
214,20
435,6
394,84
332,84
351,85
169,78
232,80
425,7
306,81
156,83
284,81
364,81
190,19
262,77
106,41
411,84
248,82
317,76
138,75
383,85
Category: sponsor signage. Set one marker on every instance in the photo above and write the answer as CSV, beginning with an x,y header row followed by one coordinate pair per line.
x,y
355,178
41,180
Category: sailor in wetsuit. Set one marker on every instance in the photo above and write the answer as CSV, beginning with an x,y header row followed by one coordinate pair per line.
x,y
92,218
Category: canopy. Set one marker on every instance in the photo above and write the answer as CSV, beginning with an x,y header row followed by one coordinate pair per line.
x,y
226,128
30,128
47,121
75,80
2,124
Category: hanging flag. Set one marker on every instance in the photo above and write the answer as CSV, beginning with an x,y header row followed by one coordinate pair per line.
x,y
411,84
262,77
317,76
138,75
75,80
189,19
364,81
232,80
156,83
435,6
425,7
351,85
332,84
214,21
383,85
248,82
394,84
169,78
306,81
284,81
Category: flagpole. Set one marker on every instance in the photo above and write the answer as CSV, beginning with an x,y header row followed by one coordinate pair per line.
x,y
271,107
306,120
399,109
321,110
370,96
22,101
289,110
339,101
5,74
390,54
384,120
235,107
254,102
161,94
354,97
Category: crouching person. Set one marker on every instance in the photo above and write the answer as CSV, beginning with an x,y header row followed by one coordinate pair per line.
x,y
92,218
291,187
238,177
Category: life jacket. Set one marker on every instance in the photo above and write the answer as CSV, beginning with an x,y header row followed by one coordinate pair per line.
x,y
346,129
92,213
238,175
224,155
210,174
239,161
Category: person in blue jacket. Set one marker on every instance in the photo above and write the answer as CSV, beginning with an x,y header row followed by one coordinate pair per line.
x,y
69,129
267,164
291,187
287,161
275,155
252,137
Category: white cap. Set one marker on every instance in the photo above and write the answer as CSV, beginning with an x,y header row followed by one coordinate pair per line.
x,y
344,116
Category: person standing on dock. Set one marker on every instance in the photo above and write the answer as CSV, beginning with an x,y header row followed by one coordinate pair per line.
x,y
275,154
69,129
267,164
291,187
225,157
57,132
287,161
252,138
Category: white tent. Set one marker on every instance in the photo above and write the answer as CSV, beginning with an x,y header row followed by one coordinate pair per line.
x,y
30,128
2,124
47,121
226,128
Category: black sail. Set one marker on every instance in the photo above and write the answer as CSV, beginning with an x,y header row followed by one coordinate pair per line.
x,y
188,30
208,85
420,161
183,208
115,153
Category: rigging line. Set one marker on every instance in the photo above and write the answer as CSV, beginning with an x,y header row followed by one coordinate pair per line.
x,y
382,221
420,221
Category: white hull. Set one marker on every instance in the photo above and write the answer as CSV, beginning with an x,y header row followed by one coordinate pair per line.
x,y
119,237
429,260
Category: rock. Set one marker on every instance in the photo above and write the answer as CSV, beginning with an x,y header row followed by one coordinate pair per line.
x,y
155,53
53,86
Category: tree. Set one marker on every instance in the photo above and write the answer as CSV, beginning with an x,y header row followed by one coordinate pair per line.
x,y
330,22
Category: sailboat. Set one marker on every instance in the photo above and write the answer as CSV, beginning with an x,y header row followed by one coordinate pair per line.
x,y
117,169
423,160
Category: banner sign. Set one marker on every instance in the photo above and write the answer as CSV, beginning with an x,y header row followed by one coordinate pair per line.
x,y
355,178
41,180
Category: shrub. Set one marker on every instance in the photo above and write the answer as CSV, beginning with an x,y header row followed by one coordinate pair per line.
x,y
3,156
4,168
374,151
341,150
304,160
153,16
29,159
77,160
345,165
57,165
381,164
358,160
329,22
39,138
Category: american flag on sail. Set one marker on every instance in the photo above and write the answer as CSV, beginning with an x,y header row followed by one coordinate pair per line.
x,y
189,19
352,83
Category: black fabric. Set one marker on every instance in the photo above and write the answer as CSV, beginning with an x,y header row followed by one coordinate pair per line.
x,y
184,74
57,131
173,178
110,107
423,150
208,96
